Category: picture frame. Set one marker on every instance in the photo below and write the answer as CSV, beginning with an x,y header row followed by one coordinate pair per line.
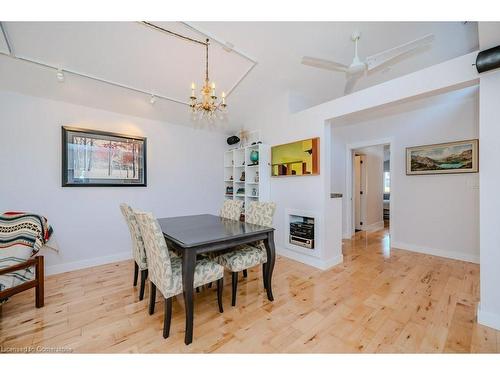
x,y
443,158
99,158
295,159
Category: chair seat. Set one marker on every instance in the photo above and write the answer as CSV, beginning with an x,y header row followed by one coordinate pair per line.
x,y
242,257
206,271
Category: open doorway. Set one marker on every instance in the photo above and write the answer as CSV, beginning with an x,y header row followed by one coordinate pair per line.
x,y
371,184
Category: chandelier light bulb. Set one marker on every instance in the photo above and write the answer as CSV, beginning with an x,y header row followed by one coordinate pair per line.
x,y
152,100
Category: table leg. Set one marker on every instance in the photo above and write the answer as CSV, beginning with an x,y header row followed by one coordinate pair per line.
x,y
271,258
188,265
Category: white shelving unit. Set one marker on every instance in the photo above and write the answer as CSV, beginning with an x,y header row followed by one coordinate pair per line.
x,y
255,186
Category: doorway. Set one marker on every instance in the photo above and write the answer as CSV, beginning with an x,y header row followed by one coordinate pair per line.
x,y
368,176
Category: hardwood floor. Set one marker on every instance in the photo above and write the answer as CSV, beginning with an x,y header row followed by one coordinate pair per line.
x,y
400,302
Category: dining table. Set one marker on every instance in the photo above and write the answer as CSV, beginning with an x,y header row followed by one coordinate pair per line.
x,y
193,235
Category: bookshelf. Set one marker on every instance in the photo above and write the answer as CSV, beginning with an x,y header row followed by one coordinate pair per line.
x,y
255,186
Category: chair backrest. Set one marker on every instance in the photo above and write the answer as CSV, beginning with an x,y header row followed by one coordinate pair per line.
x,y
231,209
160,268
260,213
138,251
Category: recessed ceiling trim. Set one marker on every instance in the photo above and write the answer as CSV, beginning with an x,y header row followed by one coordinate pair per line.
x,y
46,65
7,41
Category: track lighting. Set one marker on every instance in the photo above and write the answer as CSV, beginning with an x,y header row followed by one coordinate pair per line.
x,y
152,100
60,75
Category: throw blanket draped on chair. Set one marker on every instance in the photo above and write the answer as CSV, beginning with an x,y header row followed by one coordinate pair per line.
x,y
22,235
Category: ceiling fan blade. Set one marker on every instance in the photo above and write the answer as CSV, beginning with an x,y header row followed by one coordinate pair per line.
x,y
351,81
324,64
386,56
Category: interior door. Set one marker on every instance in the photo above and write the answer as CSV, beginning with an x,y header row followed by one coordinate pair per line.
x,y
359,194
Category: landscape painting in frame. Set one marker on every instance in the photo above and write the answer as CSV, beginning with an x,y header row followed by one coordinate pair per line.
x,y
443,158
97,158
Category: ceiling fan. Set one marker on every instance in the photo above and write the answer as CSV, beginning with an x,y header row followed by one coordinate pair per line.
x,y
358,67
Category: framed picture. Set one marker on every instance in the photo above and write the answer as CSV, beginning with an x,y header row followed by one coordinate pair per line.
x,y
443,158
97,158
300,158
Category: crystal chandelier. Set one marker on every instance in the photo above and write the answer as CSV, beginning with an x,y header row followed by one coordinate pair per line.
x,y
207,107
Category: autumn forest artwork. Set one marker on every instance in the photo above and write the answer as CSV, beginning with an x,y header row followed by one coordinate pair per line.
x,y
452,157
100,158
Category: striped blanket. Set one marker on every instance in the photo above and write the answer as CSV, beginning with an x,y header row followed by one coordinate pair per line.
x,y
22,235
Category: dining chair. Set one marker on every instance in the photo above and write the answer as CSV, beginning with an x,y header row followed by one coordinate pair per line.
x,y
138,252
247,256
166,271
231,209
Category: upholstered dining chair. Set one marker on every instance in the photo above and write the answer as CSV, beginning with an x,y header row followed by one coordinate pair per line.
x,y
165,272
247,256
231,209
138,252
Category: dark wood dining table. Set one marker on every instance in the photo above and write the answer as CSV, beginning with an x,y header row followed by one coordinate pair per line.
x,y
200,234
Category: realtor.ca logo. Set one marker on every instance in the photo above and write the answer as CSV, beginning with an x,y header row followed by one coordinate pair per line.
x,y
34,349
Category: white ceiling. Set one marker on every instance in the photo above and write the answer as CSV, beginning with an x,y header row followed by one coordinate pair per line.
x,y
132,54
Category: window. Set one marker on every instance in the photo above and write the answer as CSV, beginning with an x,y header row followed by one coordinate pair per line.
x,y
387,182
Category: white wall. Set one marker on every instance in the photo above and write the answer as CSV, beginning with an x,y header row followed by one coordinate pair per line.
x,y
374,189
312,193
184,168
489,311
436,214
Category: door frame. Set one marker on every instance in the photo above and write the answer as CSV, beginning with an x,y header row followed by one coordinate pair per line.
x,y
350,180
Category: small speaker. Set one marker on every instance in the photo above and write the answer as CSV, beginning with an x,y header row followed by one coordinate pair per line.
x,y
232,140
488,59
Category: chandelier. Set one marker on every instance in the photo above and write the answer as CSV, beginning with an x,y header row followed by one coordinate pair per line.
x,y
207,106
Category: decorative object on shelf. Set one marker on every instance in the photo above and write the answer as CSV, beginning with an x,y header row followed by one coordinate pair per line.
x,y
443,158
232,140
207,107
231,178
256,178
299,158
229,190
242,178
254,157
254,192
240,191
98,158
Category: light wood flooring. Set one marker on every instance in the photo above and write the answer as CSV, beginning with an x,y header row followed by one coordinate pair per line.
x,y
401,302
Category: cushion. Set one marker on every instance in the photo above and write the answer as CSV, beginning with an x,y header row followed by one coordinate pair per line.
x,y
243,257
206,271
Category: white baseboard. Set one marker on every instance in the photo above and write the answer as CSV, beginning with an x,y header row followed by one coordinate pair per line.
x,y
374,227
473,258
309,260
488,319
85,263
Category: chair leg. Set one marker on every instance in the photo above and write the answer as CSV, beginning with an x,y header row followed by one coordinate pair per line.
x,y
152,297
144,276
167,317
245,273
220,286
234,276
197,289
136,273
40,279
209,285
